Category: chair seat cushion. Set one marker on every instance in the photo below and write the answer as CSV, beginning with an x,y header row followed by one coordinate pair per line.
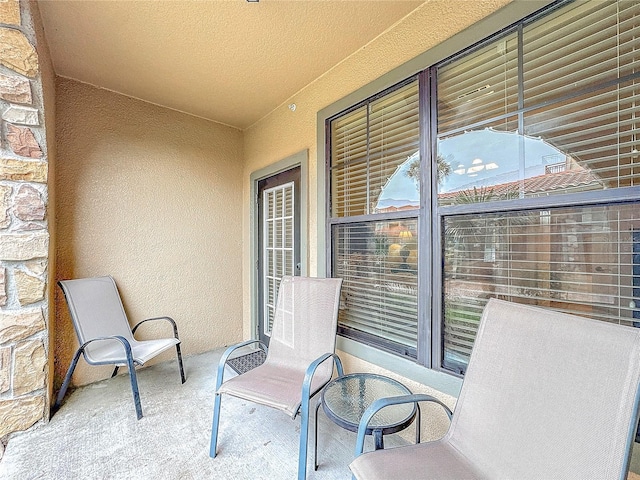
x,y
112,351
272,385
424,461
145,350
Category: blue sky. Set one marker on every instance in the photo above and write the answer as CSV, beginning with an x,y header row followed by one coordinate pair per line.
x,y
477,158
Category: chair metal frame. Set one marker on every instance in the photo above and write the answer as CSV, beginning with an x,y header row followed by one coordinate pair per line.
x,y
616,446
131,362
302,410
381,403
307,390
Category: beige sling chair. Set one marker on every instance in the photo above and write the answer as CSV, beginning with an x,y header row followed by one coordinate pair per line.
x,y
299,360
104,333
546,396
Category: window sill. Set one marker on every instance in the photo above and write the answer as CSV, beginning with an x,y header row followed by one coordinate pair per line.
x,y
443,382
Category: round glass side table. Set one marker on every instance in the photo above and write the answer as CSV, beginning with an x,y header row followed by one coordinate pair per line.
x,y
345,399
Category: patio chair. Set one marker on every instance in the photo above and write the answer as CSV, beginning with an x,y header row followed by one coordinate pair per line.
x,y
547,395
104,333
300,357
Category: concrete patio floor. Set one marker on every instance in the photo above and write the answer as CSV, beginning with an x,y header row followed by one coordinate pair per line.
x,y
95,435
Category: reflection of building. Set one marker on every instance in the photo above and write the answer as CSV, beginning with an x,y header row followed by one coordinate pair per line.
x,y
396,206
545,184
502,165
558,178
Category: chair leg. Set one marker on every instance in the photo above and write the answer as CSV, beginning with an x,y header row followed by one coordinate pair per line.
x,y
315,443
304,438
180,363
214,426
115,371
134,385
65,383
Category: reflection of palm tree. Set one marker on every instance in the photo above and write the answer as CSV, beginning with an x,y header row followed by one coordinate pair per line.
x,y
481,194
473,229
444,169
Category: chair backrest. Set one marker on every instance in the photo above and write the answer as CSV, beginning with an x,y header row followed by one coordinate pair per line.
x,y
96,309
305,322
548,395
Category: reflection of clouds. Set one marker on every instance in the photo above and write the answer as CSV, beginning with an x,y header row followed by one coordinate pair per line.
x,y
489,157
478,158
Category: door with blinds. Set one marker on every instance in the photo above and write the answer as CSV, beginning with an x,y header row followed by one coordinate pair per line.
x,y
278,241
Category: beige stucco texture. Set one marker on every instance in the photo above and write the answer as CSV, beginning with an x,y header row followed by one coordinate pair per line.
x,y
152,197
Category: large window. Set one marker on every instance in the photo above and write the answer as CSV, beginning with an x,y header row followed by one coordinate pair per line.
x,y
526,187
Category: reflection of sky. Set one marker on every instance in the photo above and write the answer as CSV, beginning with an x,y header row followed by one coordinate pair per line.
x,y
400,189
477,158
488,157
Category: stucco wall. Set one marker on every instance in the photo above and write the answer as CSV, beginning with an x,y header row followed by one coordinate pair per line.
x,y
152,197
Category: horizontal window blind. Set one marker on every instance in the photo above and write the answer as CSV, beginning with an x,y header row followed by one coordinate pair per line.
x,y
579,46
378,264
576,260
374,169
349,175
578,128
484,85
599,132
570,126
592,46
368,145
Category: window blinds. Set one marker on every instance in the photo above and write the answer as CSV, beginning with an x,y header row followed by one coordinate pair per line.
x,y
580,89
367,146
578,260
378,264
377,258
575,87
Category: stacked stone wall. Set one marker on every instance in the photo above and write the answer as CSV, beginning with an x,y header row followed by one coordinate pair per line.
x,y
24,237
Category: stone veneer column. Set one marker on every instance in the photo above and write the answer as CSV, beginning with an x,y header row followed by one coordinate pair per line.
x,y
24,235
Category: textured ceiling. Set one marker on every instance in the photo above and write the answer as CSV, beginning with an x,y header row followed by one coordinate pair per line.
x,y
225,60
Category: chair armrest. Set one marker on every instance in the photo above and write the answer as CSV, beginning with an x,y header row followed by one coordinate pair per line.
x,y
381,403
125,343
169,319
310,372
225,357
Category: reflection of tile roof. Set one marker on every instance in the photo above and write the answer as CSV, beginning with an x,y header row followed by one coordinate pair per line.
x,y
540,184
393,208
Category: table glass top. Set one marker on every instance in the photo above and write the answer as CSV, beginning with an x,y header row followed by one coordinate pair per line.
x,y
349,396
